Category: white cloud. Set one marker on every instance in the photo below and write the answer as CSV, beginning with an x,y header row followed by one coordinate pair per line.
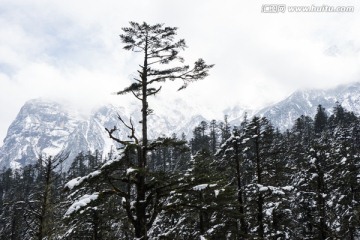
x,y
71,49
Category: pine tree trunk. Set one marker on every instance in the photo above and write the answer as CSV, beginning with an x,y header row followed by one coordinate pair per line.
x,y
260,202
13,227
243,225
43,221
323,232
260,216
321,202
140,226
95,226
201,217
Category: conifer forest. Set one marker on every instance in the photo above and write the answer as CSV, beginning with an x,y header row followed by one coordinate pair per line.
x,y
246,181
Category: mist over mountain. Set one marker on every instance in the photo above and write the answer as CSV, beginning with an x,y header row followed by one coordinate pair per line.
x,y
47,127
305,102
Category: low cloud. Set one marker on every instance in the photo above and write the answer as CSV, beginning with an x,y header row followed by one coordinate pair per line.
x,y
71,50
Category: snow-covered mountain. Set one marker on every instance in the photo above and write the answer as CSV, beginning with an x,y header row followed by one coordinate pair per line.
x,y
47,127
305,102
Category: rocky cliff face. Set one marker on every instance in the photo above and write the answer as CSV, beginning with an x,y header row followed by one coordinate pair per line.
x,y
45,127
305,102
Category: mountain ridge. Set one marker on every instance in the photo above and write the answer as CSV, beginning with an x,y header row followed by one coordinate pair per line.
x,y
47,127
305,102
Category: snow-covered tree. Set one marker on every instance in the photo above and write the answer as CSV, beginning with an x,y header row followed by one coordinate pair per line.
x,y
230,161
143,190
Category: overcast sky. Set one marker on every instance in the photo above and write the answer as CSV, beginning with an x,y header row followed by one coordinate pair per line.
x,y
71,50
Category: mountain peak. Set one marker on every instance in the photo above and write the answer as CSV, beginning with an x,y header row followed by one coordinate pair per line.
x,y
305,102
47,127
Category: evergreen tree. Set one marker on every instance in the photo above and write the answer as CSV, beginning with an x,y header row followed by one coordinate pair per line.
x,y
267,191
213,136
201,139
145,190
225,129
320,120
42,200
200,207
345,191
231,163
12,224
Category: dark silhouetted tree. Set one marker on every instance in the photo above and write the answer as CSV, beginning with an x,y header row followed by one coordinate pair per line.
x,y
144,190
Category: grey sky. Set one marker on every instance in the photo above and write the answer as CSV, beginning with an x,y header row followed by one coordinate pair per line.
x,y
71,50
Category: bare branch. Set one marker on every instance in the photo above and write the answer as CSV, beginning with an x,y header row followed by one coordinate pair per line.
x,y
136,95
153,91
111,131
117,190
131,128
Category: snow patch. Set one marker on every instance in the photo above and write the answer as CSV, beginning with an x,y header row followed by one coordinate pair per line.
x,y
288,188
263,189
79,180
74,182
130,170
200,187
82,202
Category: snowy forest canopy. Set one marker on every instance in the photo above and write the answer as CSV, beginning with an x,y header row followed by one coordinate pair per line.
x,y
228,182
